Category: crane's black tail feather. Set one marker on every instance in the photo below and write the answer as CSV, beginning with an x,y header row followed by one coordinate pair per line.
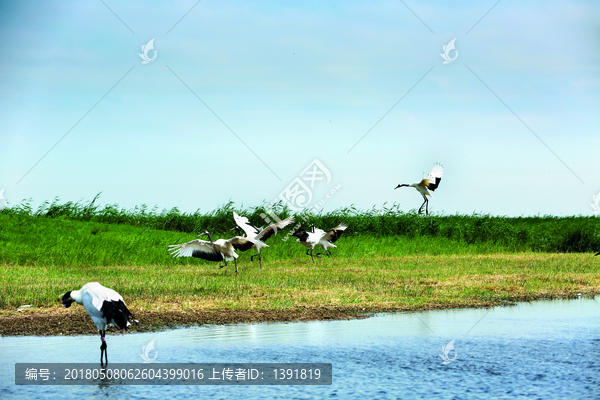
x,y
116,312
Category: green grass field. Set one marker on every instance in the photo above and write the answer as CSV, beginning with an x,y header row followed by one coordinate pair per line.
x,y
386,261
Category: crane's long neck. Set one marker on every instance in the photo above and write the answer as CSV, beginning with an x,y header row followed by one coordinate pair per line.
x,y
71,297
209,238
77,296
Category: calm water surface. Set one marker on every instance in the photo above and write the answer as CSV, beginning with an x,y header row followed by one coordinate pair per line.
x,y
539,350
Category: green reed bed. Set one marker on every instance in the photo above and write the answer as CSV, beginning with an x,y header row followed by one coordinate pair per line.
x,y
539,233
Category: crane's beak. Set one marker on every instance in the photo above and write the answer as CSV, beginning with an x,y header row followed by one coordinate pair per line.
x,y
67,300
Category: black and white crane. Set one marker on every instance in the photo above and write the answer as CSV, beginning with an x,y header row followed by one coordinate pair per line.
x,y
221,250
104,306
427,185
309,239
329,237
258,235
318,237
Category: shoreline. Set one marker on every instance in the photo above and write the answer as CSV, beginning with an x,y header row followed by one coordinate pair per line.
x,y
62,322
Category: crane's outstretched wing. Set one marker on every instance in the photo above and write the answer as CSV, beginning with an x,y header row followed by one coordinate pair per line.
x,y
196,248
242,222
319,232
334,234
242,243
435,176
314,237
272,229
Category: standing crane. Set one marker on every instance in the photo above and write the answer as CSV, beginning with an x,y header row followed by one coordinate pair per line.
x,y
221,250
104,306
259,236
427,185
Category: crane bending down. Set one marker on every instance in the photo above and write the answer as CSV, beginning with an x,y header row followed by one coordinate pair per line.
x,y
329,237
104,306
221,250
259,236
427,185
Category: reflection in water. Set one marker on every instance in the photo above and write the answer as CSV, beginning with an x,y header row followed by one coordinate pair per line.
x,y
547,349
106,382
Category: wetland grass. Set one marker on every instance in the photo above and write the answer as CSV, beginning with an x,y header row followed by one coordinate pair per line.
x,y
386,261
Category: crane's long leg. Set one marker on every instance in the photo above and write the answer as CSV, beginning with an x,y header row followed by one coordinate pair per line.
x,y
311,254
318,254
223,266
426,206
259,259
424,202
327,253
235,260
315,255
103,347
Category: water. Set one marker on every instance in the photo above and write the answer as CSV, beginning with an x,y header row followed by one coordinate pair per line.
x,y
539,350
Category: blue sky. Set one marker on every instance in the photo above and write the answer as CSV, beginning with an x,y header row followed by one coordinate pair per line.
x,y
243,96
